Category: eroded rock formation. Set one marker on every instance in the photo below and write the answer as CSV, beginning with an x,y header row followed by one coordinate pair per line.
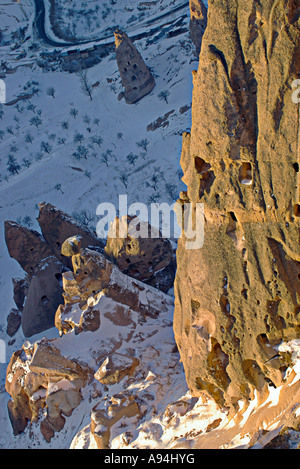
x,y
38,377
56,226
102,420
43,297
147,258
94,276
238,296
39,294
198,23
26,246
46,256
103,311
137,79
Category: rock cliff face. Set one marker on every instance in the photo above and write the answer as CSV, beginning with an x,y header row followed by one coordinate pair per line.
x,y
136,77
238,296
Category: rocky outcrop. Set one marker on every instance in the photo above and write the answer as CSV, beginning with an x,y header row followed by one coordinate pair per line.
x,y
146,258
115,367
94,276
47,256
160,122
43,298
137,79
39,376
238,296
39,294
103,311
56,226
102,420
198,23
26,246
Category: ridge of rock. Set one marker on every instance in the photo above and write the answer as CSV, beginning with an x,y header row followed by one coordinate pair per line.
x,y
238,296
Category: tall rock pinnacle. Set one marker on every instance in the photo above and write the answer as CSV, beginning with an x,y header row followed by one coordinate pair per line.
x,y
136,76
238,296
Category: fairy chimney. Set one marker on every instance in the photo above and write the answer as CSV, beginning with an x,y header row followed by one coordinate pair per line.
x,y
136,77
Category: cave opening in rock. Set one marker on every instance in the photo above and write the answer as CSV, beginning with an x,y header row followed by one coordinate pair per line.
x,y
245,174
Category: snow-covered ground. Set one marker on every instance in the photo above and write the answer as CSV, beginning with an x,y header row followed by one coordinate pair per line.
x,y
73,152
100,18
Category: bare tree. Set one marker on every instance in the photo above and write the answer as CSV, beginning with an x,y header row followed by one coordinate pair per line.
x,y
86,86
163,95
51,92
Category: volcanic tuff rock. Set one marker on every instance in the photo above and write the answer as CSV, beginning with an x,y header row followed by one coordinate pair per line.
x,y
104,309
26,246
95,276
198,23
115,367
57,226
120,406
137,79
139,254
43,297
238,296
40,376
13,322
47,256
40,256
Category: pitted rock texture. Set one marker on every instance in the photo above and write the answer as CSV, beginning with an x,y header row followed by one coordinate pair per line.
x,y
140,252
57,226
137,79
238,296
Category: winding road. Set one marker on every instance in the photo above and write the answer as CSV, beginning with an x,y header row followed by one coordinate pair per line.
x,y
40,16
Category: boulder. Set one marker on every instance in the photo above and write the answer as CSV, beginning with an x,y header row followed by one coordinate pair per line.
x,y
115,367
102,420
13,322
43,298
40,377
71,246
57,226
26,246
137,79
148,259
